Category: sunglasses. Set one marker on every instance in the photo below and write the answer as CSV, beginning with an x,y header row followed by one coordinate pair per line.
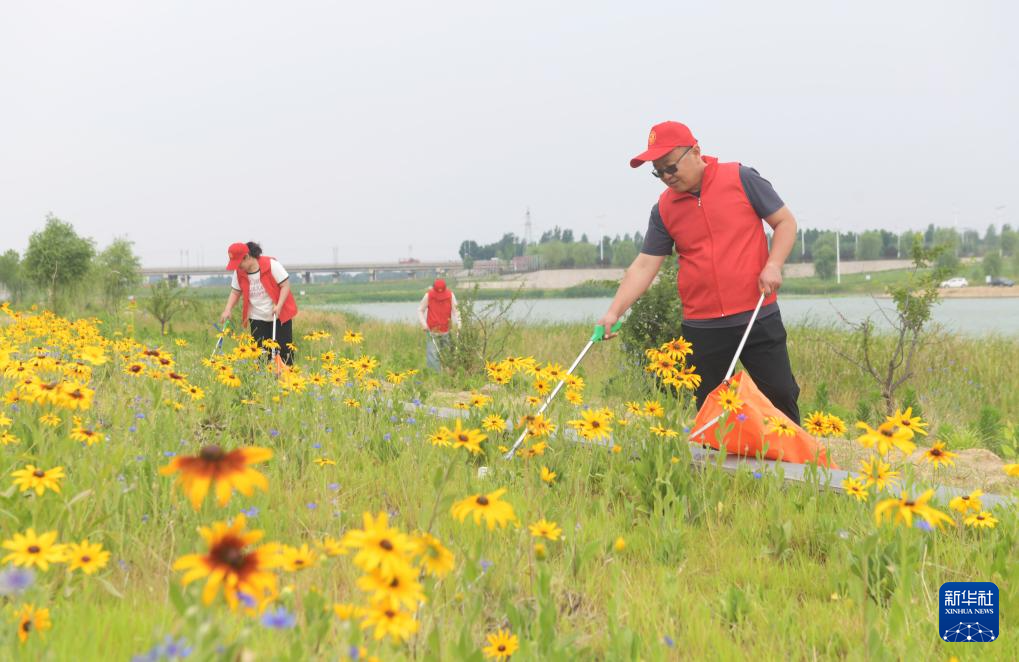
x,y
671,169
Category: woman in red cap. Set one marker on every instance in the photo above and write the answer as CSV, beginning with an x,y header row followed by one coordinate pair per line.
x,y
438,307
265,287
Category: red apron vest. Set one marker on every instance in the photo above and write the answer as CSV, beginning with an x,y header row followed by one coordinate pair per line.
x,y
272,288
721,244
440,309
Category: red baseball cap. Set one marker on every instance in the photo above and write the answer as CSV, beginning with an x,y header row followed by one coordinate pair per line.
x,y
439,285
236,252
664,138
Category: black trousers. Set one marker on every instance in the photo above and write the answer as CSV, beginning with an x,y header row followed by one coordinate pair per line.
x,y
765,357
261,330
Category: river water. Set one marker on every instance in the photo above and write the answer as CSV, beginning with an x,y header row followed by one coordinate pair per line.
x,y
969,316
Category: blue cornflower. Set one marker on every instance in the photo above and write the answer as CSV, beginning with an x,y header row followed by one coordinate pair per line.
x,y
168,453
354,652
741,417
248,601
133,428
334,486
485,565
393,419
387,436
411,420
139,414
280,619
668,641
250,512
273,432
923,525
757,474
172,649
15,581
416,402
316,445
312,506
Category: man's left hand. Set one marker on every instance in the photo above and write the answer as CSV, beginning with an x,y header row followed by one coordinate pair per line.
x,y
770,279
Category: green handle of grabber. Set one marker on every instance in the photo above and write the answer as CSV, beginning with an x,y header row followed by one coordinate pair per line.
x,y
599,331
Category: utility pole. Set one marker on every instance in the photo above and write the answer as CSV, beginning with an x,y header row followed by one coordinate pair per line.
x,y
803,245
527,227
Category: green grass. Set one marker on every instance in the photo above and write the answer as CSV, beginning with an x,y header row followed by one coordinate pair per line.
x,y
723,566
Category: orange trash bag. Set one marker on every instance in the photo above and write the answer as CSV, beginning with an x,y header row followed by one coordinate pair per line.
x,y
753,431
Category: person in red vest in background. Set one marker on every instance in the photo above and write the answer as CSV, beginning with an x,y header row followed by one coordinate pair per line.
x,y
264,286
437,310
711,212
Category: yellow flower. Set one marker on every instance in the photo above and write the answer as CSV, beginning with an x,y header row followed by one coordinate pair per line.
x,y
324,461
6,439
228,470
332,547
545,529
501,645
380,547
835,425
677,348
442,437
547,475
540,552
574,397
50,420
877,472
653,408
489,506
31,620
89,436
400,589
616,448
908,422
729,400
886,436
293,559
29,550
351,402
94,355
542,387
620,544
87,557
388,620
353,337
594,424
469,439
982,520
780,426
479,400
903,509
662,431
347,611
232,563
634,408
855,487
967,502
1012,470
532,400
937,455
34,478
494,423
540,426
816,424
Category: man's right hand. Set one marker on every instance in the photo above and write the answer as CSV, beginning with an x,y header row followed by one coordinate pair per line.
x,y
608,320
224,317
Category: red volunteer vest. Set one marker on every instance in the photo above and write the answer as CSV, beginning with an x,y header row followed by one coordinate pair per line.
x,y
440,309
272,288
721,244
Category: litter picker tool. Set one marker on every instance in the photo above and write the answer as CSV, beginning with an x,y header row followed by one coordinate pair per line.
x,y
222,334
597,336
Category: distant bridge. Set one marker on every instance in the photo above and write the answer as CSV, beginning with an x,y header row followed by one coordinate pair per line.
x,y
305,271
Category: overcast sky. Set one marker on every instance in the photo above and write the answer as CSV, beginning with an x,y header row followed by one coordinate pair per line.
x,y
377,127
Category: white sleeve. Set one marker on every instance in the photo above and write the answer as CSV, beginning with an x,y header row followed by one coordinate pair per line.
x,y
423,310
278,272
234,283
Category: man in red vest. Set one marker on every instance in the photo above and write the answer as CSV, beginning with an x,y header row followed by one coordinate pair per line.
x,y
437,309
263,285
711,212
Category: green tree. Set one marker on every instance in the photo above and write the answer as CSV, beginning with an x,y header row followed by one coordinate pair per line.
x,y
824,261
118,270
57,259
12,275
623,254
165,300
1009,240
871,244
655,318
993,264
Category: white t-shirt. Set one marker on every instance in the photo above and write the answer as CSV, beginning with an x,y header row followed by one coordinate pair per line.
x,y
259,303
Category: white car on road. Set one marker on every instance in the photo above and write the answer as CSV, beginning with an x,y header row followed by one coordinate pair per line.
x,y
955,282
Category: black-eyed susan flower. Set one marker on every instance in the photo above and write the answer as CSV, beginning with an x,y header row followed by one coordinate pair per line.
x,y
388,620
31,620
967,502
885,437
938,455
653,408
1012,470
856,488
232,563
226,470
353,337
28,550
816,423
40,480
50,420
87,557
620,544
493,423
400,588
634,408
540,426
89,436
835,426
662,431
489,507
545,529
981,520
905,508
379,546
469,439
293,559
906,421
324,461
875,471
501,644
547,475
594,424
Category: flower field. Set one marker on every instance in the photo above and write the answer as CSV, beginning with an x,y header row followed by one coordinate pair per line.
x,y
161,501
